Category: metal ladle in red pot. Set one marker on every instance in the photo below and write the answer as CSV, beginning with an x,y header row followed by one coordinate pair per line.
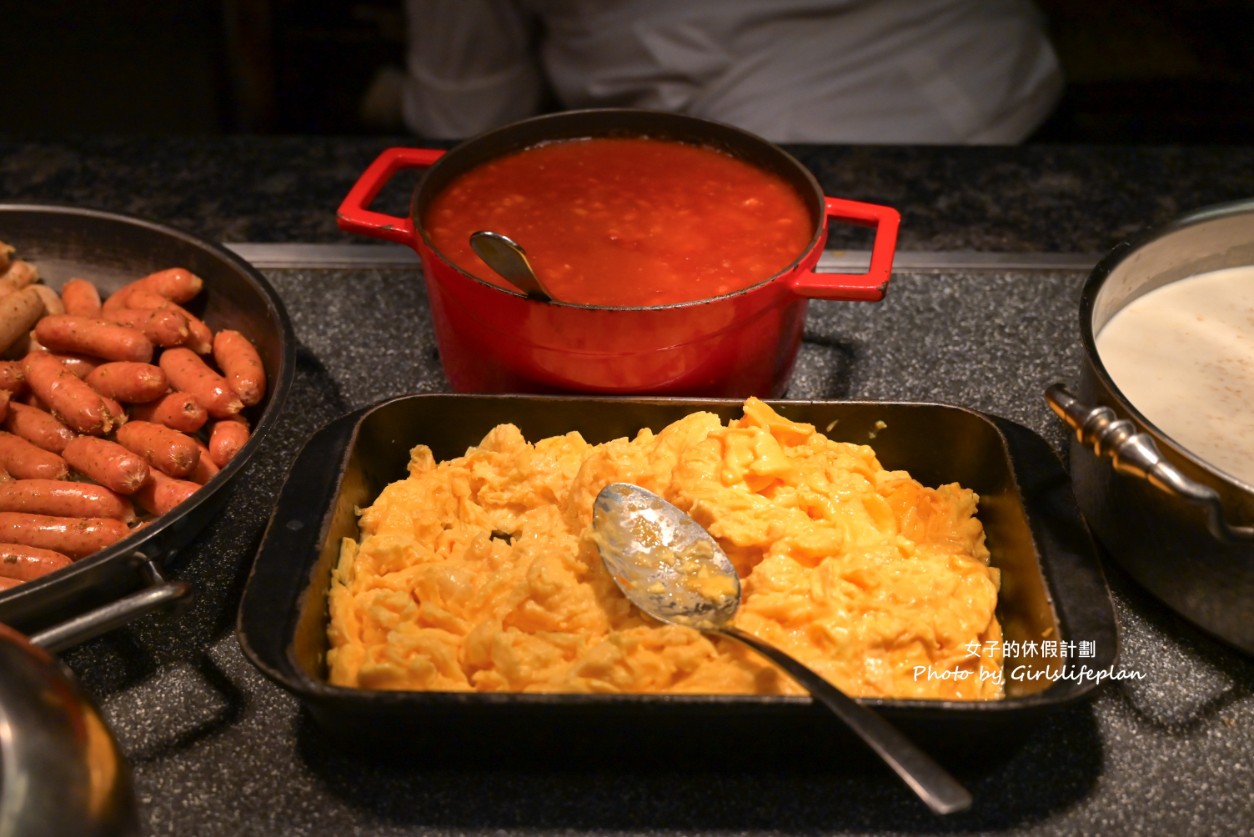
x,y
671,568
507,258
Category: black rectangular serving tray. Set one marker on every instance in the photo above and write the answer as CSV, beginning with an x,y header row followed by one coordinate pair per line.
x,y
1052,588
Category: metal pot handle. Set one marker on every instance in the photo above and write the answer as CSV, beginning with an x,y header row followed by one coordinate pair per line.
x,y
159,593
1135,453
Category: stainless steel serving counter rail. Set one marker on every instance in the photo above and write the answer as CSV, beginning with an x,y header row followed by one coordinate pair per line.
x,y
345,256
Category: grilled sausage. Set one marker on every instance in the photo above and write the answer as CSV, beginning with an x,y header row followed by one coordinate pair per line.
x,y
176,284
19,312
188,372
39,427
206,469
72,536
93,336
81,298
12,376
176,410
69,398
200,337
164,449
226,437
128,381
241,364
161,492
106,462
19,562
64,498
23,460
163,326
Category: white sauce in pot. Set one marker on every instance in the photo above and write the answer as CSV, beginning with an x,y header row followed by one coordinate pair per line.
x,y
1183,355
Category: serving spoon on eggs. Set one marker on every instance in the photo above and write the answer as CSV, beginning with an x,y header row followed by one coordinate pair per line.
x,y
671,568
507,258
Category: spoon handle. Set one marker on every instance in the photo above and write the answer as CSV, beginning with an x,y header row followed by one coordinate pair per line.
x,y
933,784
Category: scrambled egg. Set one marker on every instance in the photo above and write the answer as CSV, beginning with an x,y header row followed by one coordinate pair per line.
x,y
481,572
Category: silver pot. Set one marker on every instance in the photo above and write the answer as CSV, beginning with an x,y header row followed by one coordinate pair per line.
x,y
1179,526
60,769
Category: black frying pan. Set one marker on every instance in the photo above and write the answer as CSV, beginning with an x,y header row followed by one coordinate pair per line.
x,y
112,249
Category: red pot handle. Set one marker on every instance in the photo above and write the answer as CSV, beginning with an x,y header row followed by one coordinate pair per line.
x,y
354,216
856,287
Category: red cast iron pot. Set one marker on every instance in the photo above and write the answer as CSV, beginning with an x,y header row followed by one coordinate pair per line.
x,y
739,344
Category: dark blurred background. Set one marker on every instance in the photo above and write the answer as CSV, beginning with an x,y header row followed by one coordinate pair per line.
x,y
1138,71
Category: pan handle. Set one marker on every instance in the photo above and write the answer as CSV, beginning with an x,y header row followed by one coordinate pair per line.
x,y
354,214
157,595
856,287
1135,453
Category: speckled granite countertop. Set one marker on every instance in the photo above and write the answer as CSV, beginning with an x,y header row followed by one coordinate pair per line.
x,y
215,748
1051,199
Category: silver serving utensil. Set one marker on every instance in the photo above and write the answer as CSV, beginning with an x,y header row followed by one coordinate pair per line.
x,y
508,259
671,568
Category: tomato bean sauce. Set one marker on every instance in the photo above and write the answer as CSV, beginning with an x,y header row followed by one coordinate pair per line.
x,y
626,222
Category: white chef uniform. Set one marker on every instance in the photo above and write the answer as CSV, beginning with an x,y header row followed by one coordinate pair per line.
x,y
822,71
